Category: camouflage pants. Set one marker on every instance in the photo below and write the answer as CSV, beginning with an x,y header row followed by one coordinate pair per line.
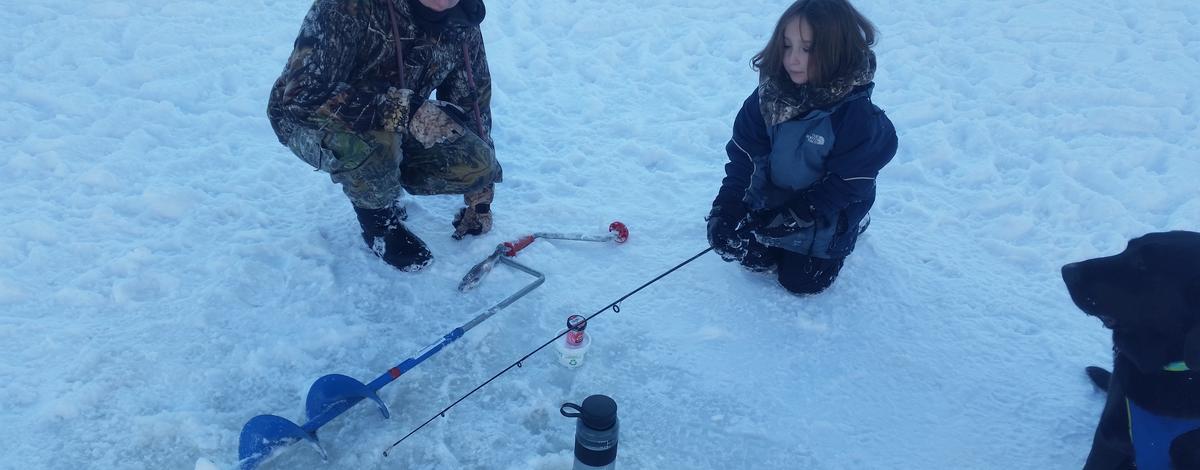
x,y
437,154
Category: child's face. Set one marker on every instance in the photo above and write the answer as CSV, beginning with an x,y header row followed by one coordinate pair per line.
x,y
797,41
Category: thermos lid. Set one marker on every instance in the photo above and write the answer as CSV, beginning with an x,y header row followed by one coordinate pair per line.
x,y
598,412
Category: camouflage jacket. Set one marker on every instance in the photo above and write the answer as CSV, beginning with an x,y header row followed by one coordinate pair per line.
x,y
342,74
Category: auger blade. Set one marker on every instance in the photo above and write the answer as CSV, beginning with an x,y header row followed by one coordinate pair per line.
x,y
264,435
336,393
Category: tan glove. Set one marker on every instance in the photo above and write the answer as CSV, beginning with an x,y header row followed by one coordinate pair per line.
x,y
476,218
398,107
435,123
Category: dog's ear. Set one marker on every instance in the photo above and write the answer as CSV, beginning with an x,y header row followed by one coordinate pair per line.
x,y
1191,348
1191,296
1191,343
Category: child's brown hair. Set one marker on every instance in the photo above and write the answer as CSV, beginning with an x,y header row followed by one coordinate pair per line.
x,y
841,38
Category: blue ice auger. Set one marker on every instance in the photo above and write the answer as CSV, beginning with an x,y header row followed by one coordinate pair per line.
x,y
333,394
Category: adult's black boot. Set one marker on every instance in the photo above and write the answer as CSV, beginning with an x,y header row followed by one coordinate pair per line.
x,y
385,235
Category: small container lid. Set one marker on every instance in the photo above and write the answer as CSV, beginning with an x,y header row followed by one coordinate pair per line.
x,y
598,412
576,324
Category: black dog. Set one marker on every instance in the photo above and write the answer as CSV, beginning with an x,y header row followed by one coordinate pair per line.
x,y
1149,295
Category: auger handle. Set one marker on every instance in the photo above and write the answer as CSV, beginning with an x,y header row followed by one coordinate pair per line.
x,y
514,247
621,229
618,232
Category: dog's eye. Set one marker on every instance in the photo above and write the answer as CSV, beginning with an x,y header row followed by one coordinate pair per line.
x,y
1139,260
1139,264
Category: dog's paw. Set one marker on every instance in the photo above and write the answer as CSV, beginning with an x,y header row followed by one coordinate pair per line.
x,y
1100,377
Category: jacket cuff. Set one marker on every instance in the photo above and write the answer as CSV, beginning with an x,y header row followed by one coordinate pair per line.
x,y
734,210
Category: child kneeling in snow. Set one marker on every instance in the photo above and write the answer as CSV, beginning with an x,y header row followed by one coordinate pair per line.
x,y
806,148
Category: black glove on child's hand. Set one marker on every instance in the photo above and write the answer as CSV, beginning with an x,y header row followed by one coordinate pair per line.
x,y
785,220
753,222
800,210
722,236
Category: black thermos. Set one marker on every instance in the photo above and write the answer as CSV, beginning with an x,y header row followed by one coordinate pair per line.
x,y
595,432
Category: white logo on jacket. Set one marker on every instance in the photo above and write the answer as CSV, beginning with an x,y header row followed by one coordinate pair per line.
x,y
815,139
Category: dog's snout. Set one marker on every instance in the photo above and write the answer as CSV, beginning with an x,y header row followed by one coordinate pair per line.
x,y
1071,273
1081,293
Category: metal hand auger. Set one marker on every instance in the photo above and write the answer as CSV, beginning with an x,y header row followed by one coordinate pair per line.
x,y
333,394
616,232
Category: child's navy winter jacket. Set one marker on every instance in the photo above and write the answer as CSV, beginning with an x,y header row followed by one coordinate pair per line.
x,y
828,156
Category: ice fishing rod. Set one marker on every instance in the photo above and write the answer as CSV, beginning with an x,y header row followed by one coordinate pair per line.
x,y
614,306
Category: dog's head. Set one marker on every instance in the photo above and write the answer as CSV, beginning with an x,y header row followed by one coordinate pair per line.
x,y
1149,295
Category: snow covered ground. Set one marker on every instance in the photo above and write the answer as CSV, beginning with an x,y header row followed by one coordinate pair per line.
x,y
168,270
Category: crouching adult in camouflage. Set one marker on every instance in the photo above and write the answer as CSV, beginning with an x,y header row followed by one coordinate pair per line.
x,y
355,101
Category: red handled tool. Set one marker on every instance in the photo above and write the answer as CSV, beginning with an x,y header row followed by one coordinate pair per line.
x,y
617,232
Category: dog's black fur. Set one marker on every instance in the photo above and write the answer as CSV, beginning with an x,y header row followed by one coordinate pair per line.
x,y
1149,295
1185,451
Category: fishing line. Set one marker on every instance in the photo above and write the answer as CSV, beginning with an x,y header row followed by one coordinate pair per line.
x,y
614,306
